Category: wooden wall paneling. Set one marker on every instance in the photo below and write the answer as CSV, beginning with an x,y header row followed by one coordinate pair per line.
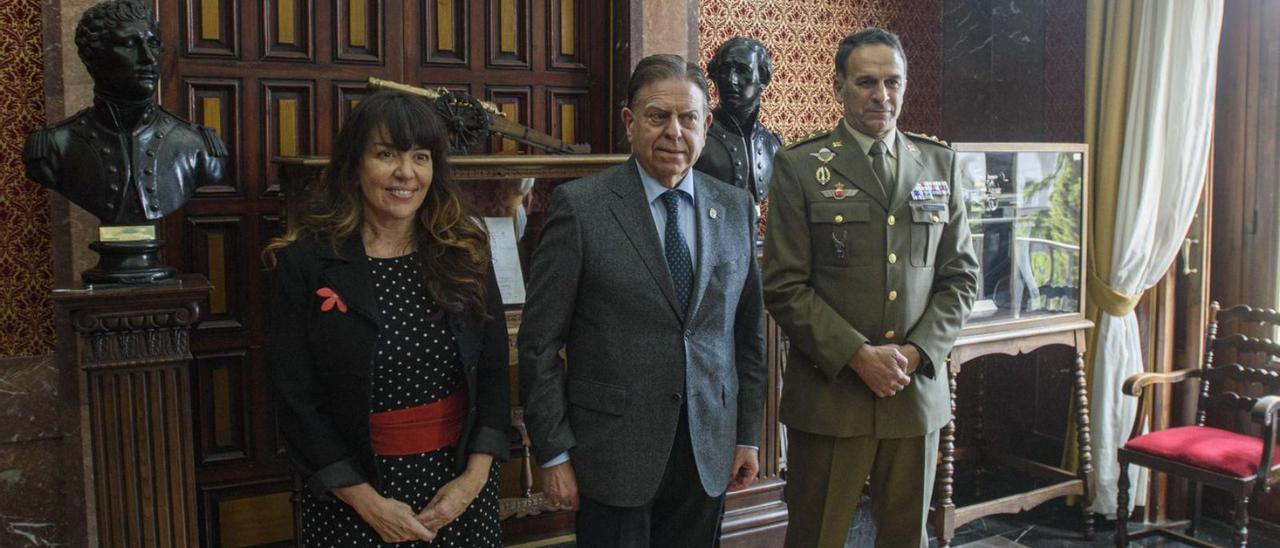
x,y
515,102
565,32
222,416
287,30
247,514
444,34
216,104
212,28
346,95
357,30
566,111
216,249
508,33
289,121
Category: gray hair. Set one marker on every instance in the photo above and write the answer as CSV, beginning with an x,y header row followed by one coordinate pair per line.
x,y
866,37
665,66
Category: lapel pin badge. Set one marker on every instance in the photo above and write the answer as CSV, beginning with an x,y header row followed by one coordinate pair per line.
x,y
713,213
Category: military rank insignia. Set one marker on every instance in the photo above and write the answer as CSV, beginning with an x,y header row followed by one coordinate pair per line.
x,y
930,190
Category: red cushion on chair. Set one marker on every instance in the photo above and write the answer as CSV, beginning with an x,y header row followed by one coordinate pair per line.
x,y
1210,448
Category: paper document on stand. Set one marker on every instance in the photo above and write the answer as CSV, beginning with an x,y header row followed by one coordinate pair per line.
x,y
506,258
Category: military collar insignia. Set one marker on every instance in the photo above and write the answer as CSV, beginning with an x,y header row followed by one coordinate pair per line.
x,y
837,144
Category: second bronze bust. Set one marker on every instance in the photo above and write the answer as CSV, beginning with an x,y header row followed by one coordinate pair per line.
x,y
739,148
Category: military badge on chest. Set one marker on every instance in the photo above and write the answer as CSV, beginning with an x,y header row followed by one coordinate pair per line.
x,y
929,191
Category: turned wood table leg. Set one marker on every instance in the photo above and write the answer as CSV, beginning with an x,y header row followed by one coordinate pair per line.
x,y
1084,444
944,506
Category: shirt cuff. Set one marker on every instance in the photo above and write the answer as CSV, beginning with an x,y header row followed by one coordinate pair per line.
x,y
741,446
557,460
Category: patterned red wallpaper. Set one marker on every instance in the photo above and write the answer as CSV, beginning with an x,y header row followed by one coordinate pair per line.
x,y
802,36
26,272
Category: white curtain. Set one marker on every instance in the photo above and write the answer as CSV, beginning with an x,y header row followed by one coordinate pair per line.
x,y
1162,171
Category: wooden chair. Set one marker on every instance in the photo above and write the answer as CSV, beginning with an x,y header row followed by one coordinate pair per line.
x,y
1221,458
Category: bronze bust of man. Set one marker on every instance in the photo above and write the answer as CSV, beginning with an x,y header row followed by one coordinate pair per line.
x,y
739,148
125,160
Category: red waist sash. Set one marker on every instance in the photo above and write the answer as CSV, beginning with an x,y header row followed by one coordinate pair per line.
x,y
419,429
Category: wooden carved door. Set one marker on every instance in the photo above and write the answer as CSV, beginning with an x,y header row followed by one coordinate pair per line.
x,y
275,78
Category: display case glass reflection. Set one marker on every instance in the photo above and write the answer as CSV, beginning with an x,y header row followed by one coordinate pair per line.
x,y
1024,203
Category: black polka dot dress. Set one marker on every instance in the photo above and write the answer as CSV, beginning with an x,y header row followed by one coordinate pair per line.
x,y
416,363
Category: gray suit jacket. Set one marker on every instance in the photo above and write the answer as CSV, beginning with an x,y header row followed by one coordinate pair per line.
x,y
599,286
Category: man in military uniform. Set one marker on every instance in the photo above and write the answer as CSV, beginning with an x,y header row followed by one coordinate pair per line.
x,y
739,148
124,159
869,269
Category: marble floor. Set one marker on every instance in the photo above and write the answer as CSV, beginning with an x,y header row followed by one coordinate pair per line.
x,y
1051,525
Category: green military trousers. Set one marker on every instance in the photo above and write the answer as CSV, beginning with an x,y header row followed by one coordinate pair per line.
x,y
825,477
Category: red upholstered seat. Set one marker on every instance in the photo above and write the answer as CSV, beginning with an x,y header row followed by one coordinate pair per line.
x,y
1209,448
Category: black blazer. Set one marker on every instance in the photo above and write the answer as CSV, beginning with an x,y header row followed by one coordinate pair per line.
x,y
320,363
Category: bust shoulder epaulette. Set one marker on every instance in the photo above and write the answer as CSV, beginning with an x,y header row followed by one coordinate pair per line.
x,y
927,138
212,143
38,146
807,138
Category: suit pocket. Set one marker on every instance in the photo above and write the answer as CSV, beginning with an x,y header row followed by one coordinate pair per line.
x,y
927,222
598,396
838,233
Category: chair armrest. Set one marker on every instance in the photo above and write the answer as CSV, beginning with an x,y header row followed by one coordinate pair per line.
x,y
1135,384
1263,413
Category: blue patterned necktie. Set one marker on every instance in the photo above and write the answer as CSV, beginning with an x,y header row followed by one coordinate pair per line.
x,y
678,260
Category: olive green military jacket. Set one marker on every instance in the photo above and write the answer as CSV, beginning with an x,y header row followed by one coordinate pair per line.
x,y
844,265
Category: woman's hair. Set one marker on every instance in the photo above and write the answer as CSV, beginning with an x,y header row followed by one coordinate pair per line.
x,y
453,249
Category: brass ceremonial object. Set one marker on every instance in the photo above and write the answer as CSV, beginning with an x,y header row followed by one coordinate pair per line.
x,y
470,120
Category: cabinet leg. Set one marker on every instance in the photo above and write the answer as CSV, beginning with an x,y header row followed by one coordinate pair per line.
x,y
1085,444
944,507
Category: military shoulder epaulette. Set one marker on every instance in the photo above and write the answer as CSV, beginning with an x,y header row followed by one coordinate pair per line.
x,y
38,146
212,143
928,138
807,138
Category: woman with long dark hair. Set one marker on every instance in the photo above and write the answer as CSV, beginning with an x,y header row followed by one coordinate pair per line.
x,y
388,352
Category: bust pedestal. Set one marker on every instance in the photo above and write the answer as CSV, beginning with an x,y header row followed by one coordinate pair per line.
x,y
125,410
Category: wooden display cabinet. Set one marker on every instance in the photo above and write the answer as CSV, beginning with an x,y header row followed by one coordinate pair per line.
x,y
1026,206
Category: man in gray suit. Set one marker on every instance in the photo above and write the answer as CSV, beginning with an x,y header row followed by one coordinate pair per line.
x,y
646,275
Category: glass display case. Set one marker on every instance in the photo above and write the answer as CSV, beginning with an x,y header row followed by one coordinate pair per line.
x,y
1025,205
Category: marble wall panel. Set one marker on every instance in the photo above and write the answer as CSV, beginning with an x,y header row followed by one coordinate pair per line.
x,y
28,399
31,494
